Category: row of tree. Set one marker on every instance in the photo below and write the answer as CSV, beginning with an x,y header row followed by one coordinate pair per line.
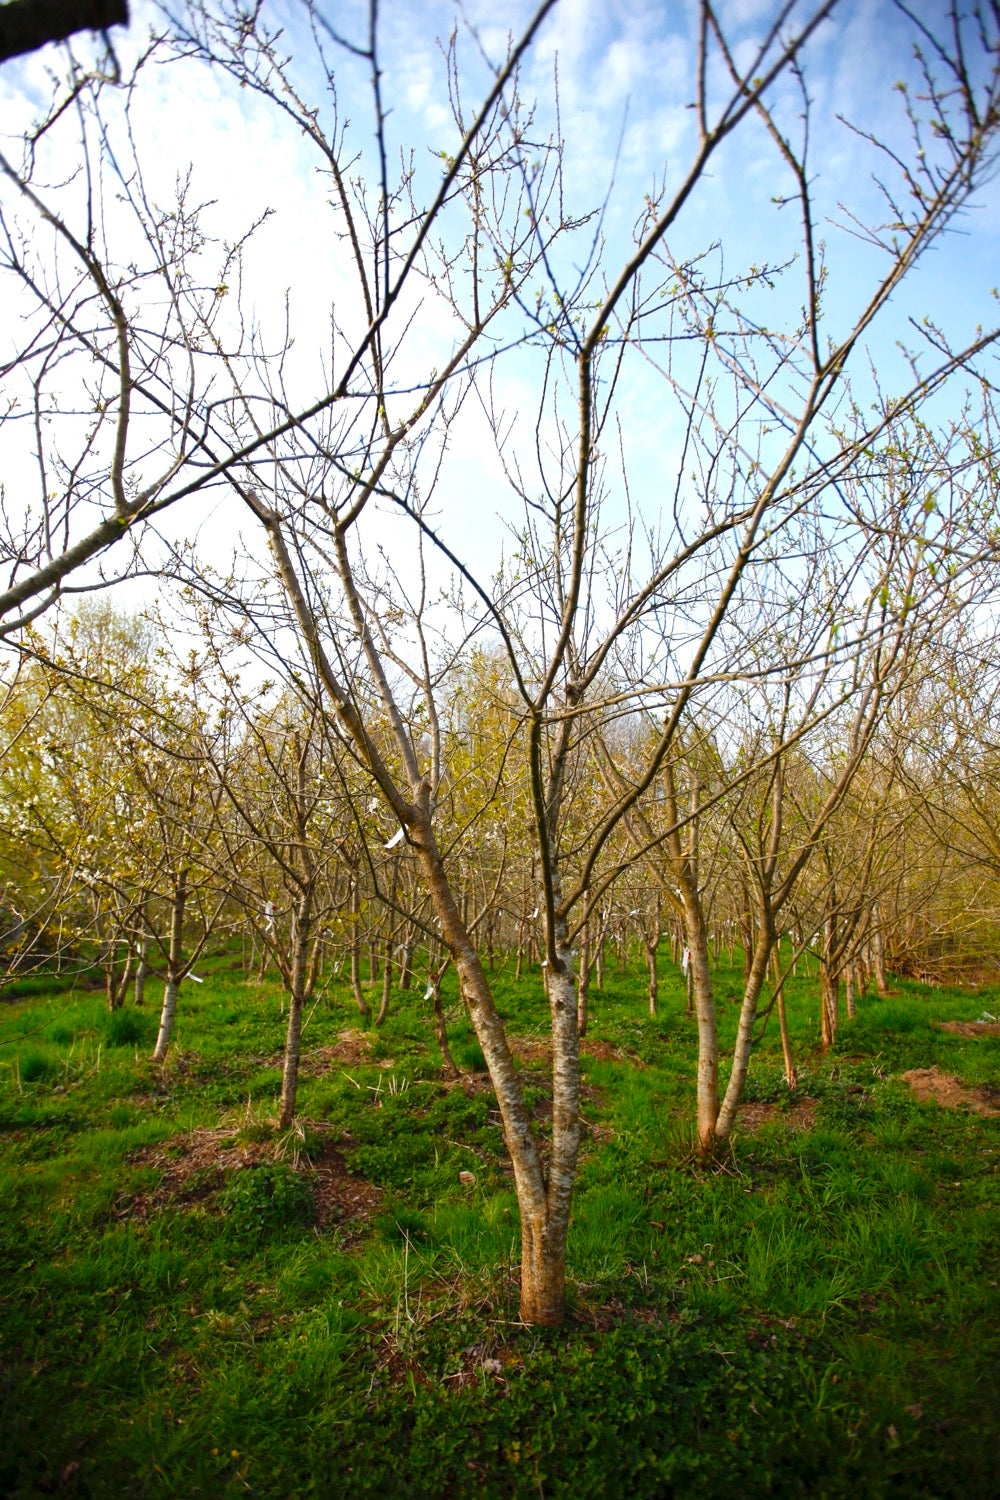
x,y
151,807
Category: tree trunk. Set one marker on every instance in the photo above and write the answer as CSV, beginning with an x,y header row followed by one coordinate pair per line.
x,y
354,953
829,1003
387,973
746,931
652,987
878,957
583,982
142,969
543,1196
297,997
116,984
791,1074
699,981
406,967
434,975
744,1032
174,968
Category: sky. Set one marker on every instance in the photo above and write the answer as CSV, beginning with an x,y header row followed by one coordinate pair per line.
x,y
617,81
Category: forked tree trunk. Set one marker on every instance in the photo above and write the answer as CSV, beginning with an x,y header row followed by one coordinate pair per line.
x,y
116,982
175,968
544,1192
861,975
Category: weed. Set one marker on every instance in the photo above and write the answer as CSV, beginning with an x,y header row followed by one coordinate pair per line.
x,y
268,1200
36,1066
128,1028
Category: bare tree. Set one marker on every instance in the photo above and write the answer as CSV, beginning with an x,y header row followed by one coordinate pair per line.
x,y
617,592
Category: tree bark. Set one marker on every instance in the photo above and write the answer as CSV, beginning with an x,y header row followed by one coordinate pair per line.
x,y
142,969
543,1196
435,973
744,1030
878,955
583,981
829,1003
297,995
652,986
791,1073
387,975
174,968
354,953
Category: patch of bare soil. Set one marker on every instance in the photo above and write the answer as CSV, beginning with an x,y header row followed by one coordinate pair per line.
x,y
952,1093
799,1115
531,1050
351,1047
604,1052
195,1165
339,1193
969,1028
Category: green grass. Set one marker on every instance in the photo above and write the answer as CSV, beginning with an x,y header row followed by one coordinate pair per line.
x,y
813,1314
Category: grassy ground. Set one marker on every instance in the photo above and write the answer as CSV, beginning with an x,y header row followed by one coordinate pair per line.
x,y
190,1305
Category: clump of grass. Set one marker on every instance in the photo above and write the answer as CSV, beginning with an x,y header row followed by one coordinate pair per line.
x,y
128,1028
35,1065
468,1055
399,1224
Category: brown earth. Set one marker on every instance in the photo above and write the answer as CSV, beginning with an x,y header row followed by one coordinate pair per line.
x,y
800,1115
531,1050
952,1093
194,1168
969,1028
351,1047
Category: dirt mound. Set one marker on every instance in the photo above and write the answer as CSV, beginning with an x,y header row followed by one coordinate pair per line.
x,y
799,1115
351,1047
531,1051
952,1093
195,1166
969,1028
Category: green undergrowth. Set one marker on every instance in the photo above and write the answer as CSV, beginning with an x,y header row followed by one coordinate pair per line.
x,y
194,1303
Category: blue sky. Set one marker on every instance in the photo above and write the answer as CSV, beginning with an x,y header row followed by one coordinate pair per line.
x,y
624,79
